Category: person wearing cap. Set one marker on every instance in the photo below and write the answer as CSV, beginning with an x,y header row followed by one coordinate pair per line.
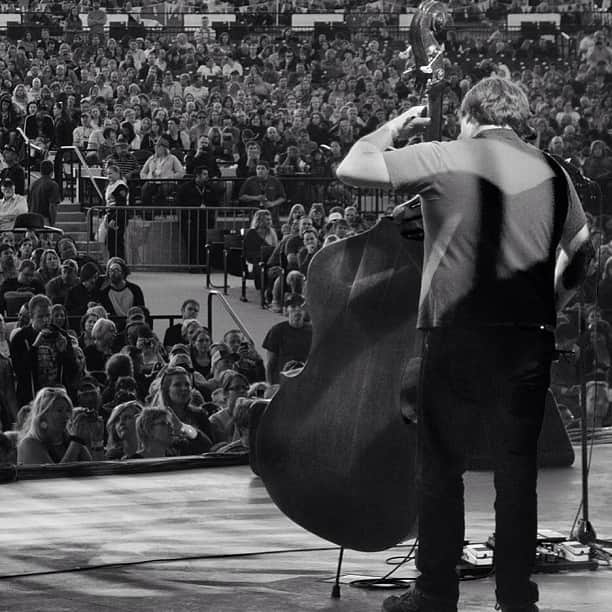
x,y
85,291
161,166
44,196
119,295
287,340
11,205
123,158
57,288
14,170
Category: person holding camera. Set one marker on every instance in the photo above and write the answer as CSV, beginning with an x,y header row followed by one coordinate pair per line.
x,y
41,353
52,435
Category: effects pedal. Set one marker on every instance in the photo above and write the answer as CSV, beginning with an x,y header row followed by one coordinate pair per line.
x,y
550,536
478,554
572,550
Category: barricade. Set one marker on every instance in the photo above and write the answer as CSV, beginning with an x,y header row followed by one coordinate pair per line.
x,y
163,237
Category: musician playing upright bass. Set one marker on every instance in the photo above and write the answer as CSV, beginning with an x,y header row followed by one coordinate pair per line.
x,y
494,211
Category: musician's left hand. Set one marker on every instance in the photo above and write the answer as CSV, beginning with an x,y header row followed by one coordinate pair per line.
x,y
409,122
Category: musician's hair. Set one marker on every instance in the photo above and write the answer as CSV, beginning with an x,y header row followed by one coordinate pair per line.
x,y
497,101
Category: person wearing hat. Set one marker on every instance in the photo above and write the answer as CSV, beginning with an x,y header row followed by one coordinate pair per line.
x,y
57,288
85,291
11,205
161,166
44,196
122,158
14,170
119,295
287,340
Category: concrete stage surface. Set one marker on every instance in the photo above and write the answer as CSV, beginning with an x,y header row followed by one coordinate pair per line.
x,y
212,540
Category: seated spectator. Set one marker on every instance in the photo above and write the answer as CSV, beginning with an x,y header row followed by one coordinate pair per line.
x,y
88,320
354,220
246,359
242,420
14,171
59,319
598,165
49,267
122,441
121,157
8,262
24,251
317,215
153,357
67,249
11,205
103,334
46,438
199,351
81,295
189,328
118,295
234,386
260,241
8,400
58,287
154,428
117,366
161,166
192,430
287,341
190,309
24,283
202,157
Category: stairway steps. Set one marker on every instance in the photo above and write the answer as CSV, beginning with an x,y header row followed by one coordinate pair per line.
x,y
67,206
67,217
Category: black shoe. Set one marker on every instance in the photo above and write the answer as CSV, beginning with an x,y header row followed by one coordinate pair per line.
x,y
527,608
416,601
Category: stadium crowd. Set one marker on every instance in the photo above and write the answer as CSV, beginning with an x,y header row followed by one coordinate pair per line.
x,y
84,375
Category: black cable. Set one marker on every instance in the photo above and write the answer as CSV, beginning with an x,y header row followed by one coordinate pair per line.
x,y
89,568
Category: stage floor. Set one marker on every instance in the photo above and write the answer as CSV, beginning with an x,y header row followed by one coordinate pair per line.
x,y
211,539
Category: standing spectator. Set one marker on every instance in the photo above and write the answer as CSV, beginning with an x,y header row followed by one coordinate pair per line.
x,y
199,195
119,295
96,20
116,195
264,191
42,356
287,341
11,205
44,195
13,170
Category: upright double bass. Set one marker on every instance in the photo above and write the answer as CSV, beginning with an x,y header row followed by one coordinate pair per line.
x,y
336,447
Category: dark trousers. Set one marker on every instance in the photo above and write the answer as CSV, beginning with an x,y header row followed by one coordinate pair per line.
x,y
499,375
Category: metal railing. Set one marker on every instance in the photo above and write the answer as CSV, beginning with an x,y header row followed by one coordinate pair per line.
x,y
165,237
31,150
80,182
303,189
213,294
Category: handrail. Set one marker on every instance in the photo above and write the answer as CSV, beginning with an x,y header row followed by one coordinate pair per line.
x,y
212,294
86,166
28,141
